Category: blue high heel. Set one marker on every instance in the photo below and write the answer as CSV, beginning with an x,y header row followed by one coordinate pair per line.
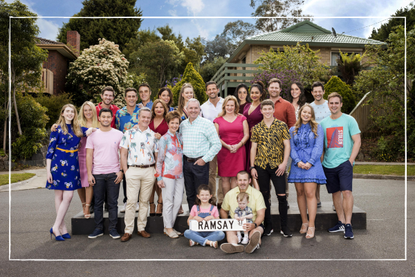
x,y
58,238
66,236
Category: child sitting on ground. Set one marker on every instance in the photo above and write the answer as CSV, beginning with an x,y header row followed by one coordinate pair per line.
x,y
243,212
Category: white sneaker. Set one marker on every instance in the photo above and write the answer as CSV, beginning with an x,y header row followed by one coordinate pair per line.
x,y
239,236
122,210
245,240
136,207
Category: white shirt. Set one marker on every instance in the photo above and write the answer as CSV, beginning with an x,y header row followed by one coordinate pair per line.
x,y
321,111
141,146
209,111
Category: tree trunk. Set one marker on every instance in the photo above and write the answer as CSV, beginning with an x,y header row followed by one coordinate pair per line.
x,y
17,112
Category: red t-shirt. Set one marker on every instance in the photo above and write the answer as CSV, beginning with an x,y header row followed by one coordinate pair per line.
x,y
114,110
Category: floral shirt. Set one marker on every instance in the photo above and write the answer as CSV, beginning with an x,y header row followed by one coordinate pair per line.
x,y
170,157
125,121
141,146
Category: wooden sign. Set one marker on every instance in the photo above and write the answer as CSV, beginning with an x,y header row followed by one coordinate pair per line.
x,y
216,225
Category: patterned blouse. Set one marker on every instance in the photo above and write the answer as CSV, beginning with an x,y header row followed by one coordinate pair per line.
x,y
270,143
170,157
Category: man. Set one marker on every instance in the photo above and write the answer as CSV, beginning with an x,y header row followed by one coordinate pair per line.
x,y
256,203
269,157
125,119
341,146
139,152
104,175
210,110
200,145
107,96
321,111
145,92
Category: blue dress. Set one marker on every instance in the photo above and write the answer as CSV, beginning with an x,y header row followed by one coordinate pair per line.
x,y
64,166
306,148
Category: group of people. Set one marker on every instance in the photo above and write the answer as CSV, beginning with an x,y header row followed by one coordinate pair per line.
x,y
248,140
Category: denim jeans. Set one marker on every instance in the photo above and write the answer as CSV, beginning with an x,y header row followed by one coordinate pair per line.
x,y
104,184
202,237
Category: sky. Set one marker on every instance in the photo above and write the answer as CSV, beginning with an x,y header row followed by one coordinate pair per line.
x,y
380,11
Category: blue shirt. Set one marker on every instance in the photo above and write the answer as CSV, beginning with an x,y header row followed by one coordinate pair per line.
x,y
125,121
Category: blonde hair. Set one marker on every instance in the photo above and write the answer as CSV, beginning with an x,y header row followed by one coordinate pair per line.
x,y
82,119
153,112
227,99
76,128
182,101
313,123
242,195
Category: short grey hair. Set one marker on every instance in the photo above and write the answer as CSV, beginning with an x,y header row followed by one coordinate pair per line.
x,y
193,100
144,109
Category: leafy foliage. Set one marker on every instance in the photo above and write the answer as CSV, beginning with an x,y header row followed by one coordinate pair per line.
x,y
53,104
349,66
91,30
190,75
335,84
236,32
209,68
217,47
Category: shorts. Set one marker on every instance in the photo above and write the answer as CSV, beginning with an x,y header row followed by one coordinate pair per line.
x,y
339,178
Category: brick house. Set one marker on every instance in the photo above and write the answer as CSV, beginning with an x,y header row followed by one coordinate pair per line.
x,y
55,68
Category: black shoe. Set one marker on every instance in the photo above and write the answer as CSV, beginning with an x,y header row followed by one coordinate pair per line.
x,y
268,231
286,232
91,209
319,205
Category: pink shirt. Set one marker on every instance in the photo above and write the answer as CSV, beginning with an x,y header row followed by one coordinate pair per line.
x,y
215,212
105,145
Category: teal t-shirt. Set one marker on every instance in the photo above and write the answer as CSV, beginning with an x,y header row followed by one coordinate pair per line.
x,y
338,143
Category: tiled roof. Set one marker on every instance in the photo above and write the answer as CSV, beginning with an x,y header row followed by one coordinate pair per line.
x,y
46,41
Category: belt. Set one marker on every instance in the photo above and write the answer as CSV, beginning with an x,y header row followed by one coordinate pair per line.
x,y
142,166
67,151
191,160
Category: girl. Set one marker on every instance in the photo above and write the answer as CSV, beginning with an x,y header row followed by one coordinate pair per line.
x,y
167,96
186,93
204,210
242,95
297,97
307,140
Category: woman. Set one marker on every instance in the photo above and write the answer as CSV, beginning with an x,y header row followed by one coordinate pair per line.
x,y
62,166
242,95
169,173
297,97
87,118
159,126
252,112
166,95
186,93
307,141
233,132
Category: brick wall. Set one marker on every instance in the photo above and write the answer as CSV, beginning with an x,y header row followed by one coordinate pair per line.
x,y
73,39
58,65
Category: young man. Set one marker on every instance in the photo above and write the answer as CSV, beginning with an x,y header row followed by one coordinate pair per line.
x,y
200,145
139,152
256,203
107,96
145,92
210,110
104,175
341,146
321,111
269,157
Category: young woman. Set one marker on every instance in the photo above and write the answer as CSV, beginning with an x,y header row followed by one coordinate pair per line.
x,y
186,93
169,173
159,126
87,118
242,96
62,166
297,97
252,112
233,132
167,96
307,141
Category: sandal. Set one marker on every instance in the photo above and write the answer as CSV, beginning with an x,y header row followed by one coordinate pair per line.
x,y
310,232
152,209
159,209
88,215
213,244
304,227
83,208
192,243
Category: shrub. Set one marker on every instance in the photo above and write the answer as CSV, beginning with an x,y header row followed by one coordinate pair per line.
x,y
335,84
54,104
190,75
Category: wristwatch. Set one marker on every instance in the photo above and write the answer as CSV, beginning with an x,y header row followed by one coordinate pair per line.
x,y
256,225
122,171
252,167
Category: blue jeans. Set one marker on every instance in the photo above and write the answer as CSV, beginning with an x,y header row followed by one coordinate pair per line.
x,y
202,237
105,185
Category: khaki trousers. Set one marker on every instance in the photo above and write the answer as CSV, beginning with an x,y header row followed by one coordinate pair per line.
x,y
213,165
139,180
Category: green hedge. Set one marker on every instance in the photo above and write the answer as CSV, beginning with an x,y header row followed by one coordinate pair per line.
x,y
190,75
335,84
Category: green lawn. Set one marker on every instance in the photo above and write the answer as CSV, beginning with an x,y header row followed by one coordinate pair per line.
x,y
16,177
384,169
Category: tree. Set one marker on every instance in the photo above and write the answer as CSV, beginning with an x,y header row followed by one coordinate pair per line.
x,y
218,47
118,30
288,9
143,37
26,58
209,68
236,32
190,75
349,66
335,84
98,66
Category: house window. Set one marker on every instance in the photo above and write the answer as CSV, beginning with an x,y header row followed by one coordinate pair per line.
x,y
336,55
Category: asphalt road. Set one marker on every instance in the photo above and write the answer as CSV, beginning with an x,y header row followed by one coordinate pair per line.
x,y
377,251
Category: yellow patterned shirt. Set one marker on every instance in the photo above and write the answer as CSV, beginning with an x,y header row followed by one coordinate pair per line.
x,y
270,142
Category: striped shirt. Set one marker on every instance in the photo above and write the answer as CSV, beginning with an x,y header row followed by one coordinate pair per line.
x,y
200,139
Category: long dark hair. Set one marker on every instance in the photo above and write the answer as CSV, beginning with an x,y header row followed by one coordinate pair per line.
x,y
260,86
302,99
199,189
242,85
